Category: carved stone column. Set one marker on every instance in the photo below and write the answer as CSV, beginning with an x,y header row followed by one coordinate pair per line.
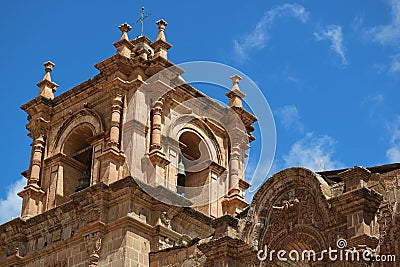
x,y
112,159
235,202
234,169
156,126
157,157
37,155
116,121
32,194
39,113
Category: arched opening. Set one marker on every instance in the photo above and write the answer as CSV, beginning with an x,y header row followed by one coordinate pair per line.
x,y
296,254
194,162
78,152
300,254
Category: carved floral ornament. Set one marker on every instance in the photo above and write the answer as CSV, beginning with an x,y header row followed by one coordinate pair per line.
x,y
297,207
93,215
384,219
296,213
93,243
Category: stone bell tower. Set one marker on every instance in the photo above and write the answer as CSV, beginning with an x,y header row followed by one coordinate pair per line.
x,y
77,136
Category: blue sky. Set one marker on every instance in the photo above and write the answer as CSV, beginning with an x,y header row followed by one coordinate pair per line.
x,y
329,69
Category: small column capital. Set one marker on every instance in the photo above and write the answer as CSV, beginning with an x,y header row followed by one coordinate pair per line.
x,y
157,107
38,143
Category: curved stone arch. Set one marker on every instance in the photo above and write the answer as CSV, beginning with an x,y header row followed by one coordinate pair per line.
x,y
82,117
297,178
194,124
303,234
304,239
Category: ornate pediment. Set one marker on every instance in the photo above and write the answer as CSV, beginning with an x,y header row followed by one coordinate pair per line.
x,y
290,203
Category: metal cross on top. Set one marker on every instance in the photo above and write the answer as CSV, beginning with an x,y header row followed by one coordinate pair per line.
x,y
141,19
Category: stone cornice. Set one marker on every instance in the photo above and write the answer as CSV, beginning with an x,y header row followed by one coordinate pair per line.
x,y
244,184
62,158
161,44
218,169
363,199
82,87
37,101
32,190
228,247
245,115
124,42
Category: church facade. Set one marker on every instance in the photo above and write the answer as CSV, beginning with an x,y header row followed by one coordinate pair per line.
x,y
126,171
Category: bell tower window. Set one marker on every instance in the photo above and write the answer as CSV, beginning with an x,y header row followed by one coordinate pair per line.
x,y
77,148
193,167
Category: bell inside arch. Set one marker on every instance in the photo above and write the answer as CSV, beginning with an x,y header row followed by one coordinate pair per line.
x,y
181,177
84,180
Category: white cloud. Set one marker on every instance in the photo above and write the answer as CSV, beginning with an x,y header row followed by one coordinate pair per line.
x,y
376,99
258,38
357,23
393,153
313,152
388,34
290,118
11,206
395,64
373,103
334,34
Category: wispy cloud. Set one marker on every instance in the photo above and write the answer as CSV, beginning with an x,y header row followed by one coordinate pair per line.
x,y
289,117
388,34
373,103
375,99
11,206
395,64
289,75
313,152
393,153
334,34
258,38
357,23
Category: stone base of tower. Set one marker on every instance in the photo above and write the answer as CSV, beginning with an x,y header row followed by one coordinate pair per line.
x,y
117,223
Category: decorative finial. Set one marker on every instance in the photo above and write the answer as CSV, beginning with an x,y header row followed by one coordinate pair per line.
x,y
160,45
125,28
47,87
124,46
235,81
235,95
161,28
48,67
141,19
